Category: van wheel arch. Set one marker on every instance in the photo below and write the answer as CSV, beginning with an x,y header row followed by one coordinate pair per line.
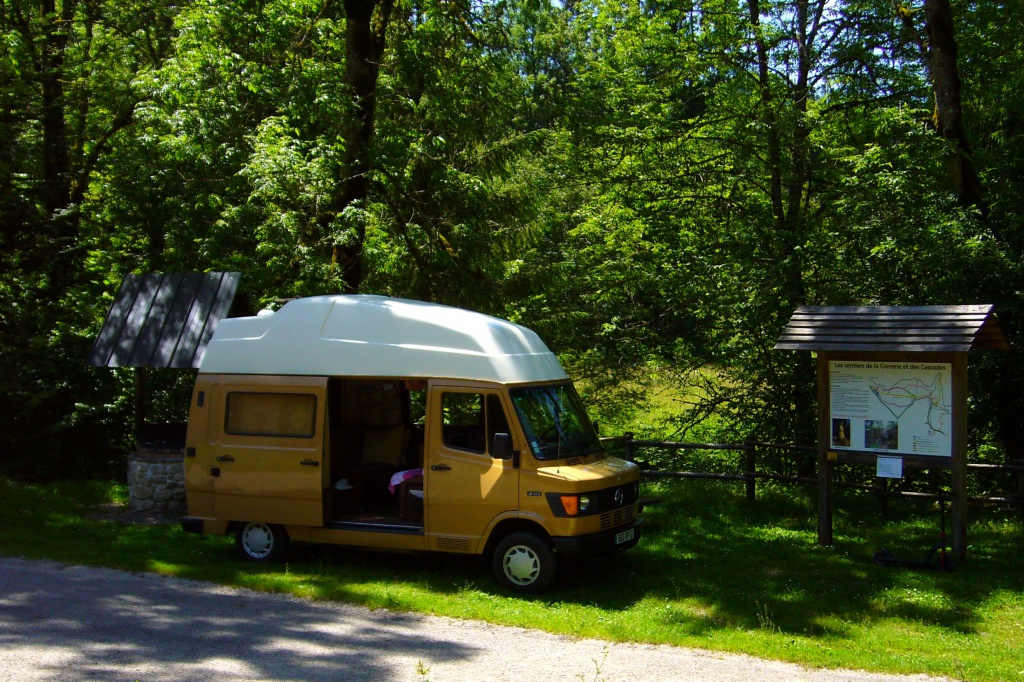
x,y
505,528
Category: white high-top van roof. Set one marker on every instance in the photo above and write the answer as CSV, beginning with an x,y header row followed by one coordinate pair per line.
x,y
376,336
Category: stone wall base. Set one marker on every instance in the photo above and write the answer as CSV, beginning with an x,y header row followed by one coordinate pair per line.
x,y
156,484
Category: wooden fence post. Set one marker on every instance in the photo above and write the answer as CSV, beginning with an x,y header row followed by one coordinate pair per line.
x,y
751,464
1020,486
883,495
628,446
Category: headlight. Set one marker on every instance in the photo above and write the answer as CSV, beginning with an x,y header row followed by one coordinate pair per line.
x,y
574,504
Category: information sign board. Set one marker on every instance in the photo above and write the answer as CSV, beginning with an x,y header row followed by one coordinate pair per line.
x,y
891,407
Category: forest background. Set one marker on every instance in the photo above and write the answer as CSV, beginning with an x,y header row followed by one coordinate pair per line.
x,y
652,185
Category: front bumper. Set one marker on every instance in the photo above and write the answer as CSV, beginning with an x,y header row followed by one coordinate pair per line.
x,y
598,544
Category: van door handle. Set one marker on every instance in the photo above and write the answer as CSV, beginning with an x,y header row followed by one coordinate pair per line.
x,y
440,467
225,458
309,463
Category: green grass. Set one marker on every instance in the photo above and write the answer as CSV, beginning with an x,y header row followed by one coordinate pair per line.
x,y
712,571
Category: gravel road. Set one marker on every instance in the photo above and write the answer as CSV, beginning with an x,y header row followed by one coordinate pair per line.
x,y
72,623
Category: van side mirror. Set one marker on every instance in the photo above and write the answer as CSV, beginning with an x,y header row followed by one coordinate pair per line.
x,y
501,446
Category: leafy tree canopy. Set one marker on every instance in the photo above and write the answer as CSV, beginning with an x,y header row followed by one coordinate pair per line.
x,y
649,184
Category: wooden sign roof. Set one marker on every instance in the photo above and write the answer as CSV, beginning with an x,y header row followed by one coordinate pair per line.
x,y
166,320
935,328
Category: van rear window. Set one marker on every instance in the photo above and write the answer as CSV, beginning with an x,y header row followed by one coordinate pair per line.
x,y
289,415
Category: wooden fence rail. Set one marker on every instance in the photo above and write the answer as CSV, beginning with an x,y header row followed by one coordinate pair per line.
x,y
749,474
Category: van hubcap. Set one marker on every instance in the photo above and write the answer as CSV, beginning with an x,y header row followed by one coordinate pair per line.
x,y
258,540
522,565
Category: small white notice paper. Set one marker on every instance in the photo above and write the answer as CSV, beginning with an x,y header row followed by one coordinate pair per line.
x,y
889,467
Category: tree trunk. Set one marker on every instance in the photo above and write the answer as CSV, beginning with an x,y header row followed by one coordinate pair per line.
x,y
62,222
949,114
366,23
788,189
768,114
56,159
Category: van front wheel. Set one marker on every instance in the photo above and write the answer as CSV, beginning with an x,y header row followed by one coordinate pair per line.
x,y
261,542
524,562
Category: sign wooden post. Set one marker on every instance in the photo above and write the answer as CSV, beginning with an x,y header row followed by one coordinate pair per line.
x,y
824,464
959,463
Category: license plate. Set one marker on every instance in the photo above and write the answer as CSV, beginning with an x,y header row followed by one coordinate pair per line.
x,y
624,536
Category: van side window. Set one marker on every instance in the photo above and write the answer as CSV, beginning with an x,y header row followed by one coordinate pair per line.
x,y
289,415
462,425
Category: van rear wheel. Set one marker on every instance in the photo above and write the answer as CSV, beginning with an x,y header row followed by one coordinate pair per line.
x,y
524,562
261,542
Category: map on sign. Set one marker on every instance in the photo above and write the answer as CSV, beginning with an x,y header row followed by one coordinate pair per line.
x,y
906,393
891,407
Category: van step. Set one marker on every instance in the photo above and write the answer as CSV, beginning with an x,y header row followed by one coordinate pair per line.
x,y
376,527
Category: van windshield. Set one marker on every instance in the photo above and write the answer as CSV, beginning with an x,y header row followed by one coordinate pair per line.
x,y
555,423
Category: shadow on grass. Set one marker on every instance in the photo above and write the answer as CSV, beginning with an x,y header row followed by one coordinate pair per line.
x,y
709,561
717,562
758,566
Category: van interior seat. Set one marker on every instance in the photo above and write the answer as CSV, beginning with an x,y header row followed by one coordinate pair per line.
x,y
383,453
385,446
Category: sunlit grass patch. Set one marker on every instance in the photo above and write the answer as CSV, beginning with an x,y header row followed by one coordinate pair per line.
x,y
713,570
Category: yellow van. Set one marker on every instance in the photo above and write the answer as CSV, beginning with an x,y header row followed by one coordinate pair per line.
x,y
400,425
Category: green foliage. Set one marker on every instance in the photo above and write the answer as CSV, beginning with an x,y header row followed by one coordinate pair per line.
x,y
63,419
645,184
457,179
70,90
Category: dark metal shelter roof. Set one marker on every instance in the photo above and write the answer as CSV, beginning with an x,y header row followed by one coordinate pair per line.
x,y
935,328
166,320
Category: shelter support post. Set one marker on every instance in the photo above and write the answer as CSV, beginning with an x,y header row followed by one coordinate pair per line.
x,y
140,402
824,463
959,463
